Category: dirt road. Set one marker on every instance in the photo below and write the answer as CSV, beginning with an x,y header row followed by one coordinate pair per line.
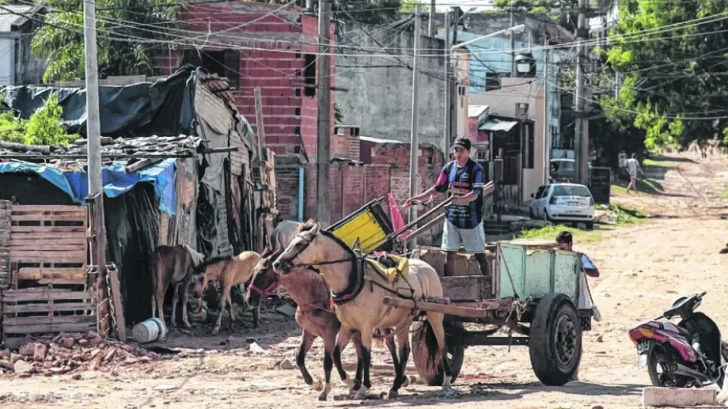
x,y
643,269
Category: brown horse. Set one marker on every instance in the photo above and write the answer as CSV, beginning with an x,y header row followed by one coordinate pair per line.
x,y
229,271
315,314
172,265
359,299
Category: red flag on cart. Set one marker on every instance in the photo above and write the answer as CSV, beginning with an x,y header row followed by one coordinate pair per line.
x,y
397,219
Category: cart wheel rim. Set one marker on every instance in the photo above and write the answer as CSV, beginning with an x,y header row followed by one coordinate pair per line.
x,y
565,340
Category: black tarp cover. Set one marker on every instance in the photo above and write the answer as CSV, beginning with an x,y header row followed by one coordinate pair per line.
x,y
164,107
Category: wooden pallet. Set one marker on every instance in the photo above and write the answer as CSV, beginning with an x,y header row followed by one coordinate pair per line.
x,y
48,244
41,310
49,292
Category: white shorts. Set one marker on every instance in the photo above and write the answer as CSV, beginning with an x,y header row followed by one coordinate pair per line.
x,y
473,240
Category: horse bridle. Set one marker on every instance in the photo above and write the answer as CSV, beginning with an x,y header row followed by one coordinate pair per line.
x,y
307,242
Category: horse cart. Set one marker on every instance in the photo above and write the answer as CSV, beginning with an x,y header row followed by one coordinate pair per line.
x,y
530,299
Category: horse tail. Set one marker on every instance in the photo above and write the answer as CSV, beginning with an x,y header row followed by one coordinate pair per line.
x,y
431,343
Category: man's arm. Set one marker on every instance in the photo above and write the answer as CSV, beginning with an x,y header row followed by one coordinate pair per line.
x,y
440,186
589,267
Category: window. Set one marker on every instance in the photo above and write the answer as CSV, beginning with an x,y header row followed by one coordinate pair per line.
x,y
570,190
492,81
528,153
540,191
309,74
224,63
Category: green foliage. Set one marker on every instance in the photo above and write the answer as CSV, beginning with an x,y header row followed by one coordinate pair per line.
x,y
675,89
121,27
408,6
553,8
43,128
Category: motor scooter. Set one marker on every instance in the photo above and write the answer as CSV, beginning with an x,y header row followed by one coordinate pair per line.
x,y
689,354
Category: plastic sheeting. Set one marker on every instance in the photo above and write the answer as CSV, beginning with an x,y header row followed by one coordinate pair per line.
x,y
165,107
114,178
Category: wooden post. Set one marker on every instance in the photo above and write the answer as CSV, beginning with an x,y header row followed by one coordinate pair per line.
x,y
259,128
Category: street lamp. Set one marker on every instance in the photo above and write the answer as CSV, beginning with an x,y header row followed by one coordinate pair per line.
x,y
515,29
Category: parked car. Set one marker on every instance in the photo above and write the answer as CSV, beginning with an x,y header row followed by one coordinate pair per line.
x,y
563,202
563,170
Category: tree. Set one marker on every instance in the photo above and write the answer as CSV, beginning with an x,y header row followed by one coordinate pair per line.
x,y
558,10
408,6
674,69
122,28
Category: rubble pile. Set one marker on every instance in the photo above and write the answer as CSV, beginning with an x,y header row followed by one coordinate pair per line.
x,y
70,353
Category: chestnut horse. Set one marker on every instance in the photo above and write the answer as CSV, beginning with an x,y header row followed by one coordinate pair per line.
x,y
229,271
315,314
172,265
359,294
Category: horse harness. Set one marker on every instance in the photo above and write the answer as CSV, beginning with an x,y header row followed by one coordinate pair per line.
x,y
356,285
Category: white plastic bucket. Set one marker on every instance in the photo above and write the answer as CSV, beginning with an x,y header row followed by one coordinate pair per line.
x,y
149,330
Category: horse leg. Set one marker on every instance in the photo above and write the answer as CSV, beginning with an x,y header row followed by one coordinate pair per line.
x,y
306,341
366,351
223,300
185,299
232,314
342,339
256,317
402,335
436,321
356,340
175,300
161,289
154,306
389,341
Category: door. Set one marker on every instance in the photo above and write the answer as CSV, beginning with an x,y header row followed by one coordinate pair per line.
x,y
538,202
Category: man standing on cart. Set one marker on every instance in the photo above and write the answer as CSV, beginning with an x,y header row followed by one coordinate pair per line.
x,y
464,221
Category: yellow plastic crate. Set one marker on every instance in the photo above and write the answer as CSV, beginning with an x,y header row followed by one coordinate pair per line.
x,y
369,224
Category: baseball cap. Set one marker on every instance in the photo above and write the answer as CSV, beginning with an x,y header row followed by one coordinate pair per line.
x,y
462,143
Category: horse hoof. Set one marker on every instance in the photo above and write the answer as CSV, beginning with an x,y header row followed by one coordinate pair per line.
x,y
392,395
215,331
325,393
406,382
361,394
318,386
449,393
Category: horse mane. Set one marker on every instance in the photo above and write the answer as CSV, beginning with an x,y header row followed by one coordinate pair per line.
x,y
203,266
306,226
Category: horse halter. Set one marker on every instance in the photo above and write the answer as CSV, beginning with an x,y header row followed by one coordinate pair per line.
x,y
267,292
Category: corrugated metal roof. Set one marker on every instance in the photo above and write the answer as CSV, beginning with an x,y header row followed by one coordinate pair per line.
x,y
476,110
8,18
494,126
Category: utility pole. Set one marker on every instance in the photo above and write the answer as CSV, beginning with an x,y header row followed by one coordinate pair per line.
x,y
323,82
448,87
513,49
454,78
93,135
414,137
93,123
431,24
581,145
546,104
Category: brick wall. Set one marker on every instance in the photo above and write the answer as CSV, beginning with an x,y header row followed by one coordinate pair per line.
x,y
273,56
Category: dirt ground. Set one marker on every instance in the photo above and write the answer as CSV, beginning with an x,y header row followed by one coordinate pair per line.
x,y
643,268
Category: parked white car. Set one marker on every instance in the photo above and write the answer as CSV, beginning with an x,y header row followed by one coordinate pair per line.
x,y
563,202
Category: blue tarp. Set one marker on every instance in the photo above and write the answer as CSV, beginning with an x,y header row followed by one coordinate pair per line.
x,y
115,180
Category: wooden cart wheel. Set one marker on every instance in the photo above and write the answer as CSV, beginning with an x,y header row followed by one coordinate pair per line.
x,y
433,374
555,340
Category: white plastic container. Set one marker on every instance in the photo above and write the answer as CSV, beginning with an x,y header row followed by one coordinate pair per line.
x,y
149,331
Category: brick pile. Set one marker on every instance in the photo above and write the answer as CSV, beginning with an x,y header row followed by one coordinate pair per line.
x,y
68,353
